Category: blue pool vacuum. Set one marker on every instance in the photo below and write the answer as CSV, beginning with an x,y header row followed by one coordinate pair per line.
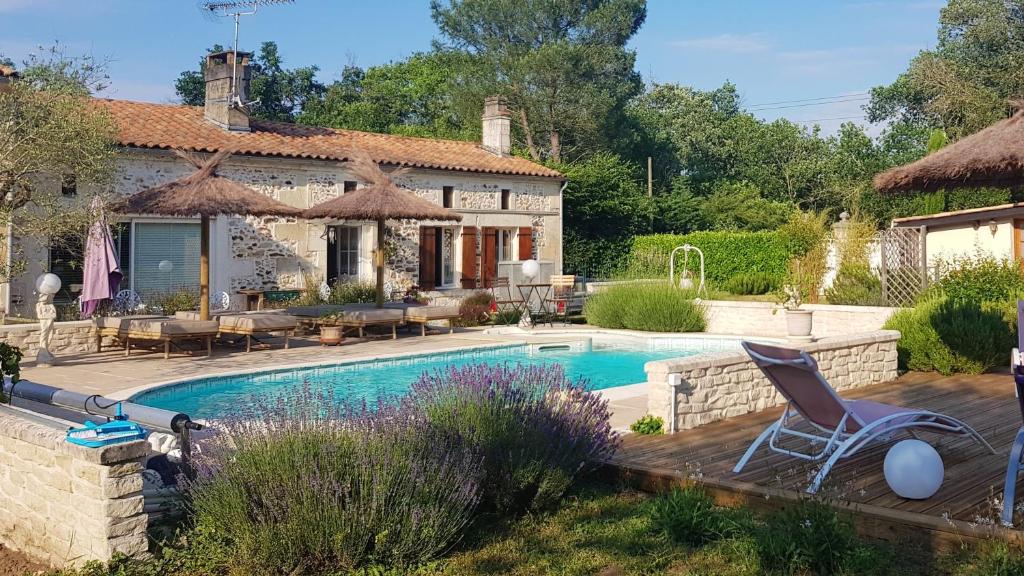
x,y
118,430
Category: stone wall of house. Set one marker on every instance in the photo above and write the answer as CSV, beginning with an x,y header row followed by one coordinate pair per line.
x,y
65,504
281,252
719,386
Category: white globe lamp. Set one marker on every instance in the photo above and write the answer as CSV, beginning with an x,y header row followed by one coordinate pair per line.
x,y
531,269
48,283
913,469
165,266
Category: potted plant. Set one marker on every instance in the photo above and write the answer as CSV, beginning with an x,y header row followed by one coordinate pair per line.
x,y
331,333
799,322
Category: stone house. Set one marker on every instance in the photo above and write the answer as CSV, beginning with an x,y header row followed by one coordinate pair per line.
x,y
511,207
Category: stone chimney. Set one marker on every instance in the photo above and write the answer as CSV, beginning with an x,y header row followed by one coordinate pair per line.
x,y
225,100
497,126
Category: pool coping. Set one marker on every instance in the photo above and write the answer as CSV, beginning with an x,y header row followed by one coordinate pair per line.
x,y
547,336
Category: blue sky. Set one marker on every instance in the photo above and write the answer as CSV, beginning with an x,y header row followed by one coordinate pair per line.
x,y
773,50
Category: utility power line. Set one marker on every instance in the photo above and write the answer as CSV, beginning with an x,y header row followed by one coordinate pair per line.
x,y
862,116
812,99
858,99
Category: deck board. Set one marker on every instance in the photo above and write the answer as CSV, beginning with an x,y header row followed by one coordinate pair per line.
x,y
973,483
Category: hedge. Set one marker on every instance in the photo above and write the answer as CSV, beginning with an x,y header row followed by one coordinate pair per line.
x,y
727,254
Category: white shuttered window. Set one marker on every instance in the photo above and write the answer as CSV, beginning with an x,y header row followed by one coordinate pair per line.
x,y
165,258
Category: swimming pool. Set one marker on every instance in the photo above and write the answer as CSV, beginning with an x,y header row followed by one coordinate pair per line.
x,y
604,362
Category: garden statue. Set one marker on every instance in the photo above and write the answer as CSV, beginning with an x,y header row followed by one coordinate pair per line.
x,y
46,285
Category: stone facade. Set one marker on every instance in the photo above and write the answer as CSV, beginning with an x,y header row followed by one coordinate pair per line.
x,y
65,504
719,386
68,337
281,253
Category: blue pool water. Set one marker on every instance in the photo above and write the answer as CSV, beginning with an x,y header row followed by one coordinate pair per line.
x,y
605,365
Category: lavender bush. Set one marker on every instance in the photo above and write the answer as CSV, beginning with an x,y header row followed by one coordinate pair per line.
x,y
303,485
536,429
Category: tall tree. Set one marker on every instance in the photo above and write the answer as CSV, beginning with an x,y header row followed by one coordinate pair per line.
x,y
53,140
966,82
562,64
277,93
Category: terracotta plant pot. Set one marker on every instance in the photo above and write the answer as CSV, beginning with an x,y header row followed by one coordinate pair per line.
x,y
331,335
799,324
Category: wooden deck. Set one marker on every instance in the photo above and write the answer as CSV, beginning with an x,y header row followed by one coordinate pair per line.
x,y
966,507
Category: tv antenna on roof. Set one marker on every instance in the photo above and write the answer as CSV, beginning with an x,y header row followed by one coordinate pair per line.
x,y
237,9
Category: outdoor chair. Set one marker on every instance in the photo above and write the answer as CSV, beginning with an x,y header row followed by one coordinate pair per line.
x,y
1016,462
127,302
504,301
841,426
562,297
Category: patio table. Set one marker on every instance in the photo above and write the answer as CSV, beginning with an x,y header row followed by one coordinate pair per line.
x,y
528,291
252,296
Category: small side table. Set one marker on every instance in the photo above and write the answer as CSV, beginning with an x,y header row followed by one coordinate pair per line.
x,y
528,291
252,297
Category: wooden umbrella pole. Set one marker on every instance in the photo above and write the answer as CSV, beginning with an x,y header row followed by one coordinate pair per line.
x,y
204,268
378,258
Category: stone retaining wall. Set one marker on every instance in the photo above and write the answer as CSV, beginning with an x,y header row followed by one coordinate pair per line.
x,y
77,337
719,386
767,319
65,504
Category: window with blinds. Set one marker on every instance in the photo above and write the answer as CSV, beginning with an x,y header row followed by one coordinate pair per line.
x,y
166,258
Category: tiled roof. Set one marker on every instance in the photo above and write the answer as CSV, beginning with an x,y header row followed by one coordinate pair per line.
x,y
166,126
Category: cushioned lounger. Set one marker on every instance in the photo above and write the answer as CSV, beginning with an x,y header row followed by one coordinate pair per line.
x,y
249,323
423,314
168,330
360,316
116,327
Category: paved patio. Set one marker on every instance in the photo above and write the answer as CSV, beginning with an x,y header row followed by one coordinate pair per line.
x,y
111,374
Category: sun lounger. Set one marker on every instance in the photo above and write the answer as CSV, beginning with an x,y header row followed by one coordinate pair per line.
x,y
361,316
250,323
422,314
116,327
842,427
170,330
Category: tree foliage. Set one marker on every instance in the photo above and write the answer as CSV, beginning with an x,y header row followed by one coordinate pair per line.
x,y
52,134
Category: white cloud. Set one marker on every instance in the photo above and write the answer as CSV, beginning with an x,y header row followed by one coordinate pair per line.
x,y
734,43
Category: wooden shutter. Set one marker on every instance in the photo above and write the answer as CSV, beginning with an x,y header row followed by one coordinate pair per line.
x,y
525,243
489,261
428,238
469,256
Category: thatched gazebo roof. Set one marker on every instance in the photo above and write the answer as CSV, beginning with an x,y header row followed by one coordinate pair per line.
x,y
204,193
991,157
380,199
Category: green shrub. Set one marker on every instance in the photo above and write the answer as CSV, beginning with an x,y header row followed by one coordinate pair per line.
x,y
649,425
303,485
475,309
856,285
169,303
751,283
997,559
689,516
980,279
953,336
727,254
352,292
646,306
808,536
536,429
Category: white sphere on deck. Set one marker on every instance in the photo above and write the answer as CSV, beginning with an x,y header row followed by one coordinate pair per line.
x,y
913,469
48,283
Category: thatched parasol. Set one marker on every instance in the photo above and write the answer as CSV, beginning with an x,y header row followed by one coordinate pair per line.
x,y
380,200
204,193
991,157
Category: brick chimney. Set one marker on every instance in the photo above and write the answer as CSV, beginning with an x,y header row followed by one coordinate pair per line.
x,y
226,107
497,126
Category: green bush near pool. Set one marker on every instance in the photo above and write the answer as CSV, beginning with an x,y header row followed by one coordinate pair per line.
x,y
727,254
650,307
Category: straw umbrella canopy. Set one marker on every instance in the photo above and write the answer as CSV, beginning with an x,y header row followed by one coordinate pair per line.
x,y
380,200
991,157
204,193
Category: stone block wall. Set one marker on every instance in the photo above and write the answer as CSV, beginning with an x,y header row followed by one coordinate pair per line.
x,y
65,504
68,338
768,319
719,386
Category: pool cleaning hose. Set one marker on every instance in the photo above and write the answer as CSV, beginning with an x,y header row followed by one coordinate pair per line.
x,y
97,405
